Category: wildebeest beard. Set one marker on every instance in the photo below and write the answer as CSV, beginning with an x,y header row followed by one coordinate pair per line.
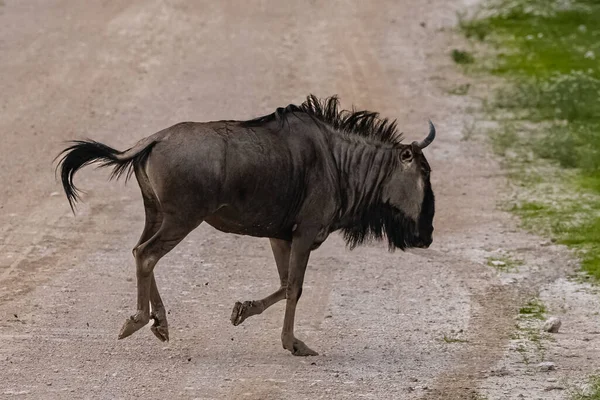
x,y
377,222
383,220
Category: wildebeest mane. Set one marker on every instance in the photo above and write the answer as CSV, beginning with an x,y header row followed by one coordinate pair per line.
x,y
362,123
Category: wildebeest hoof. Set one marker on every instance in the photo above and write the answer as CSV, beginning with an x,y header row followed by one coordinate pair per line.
x,y
160,327
132,325
241,311
161,332
298,348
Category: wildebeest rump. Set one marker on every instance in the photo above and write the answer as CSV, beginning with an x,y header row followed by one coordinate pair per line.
x,y
293,176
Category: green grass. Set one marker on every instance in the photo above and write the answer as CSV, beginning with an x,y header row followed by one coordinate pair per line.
x,y
527,339
534,309
593,392
521,349
571,223
549,55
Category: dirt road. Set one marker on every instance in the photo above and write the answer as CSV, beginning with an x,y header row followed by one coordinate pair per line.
x,y
118,71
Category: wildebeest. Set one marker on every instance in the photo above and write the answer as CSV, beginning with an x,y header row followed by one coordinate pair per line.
x,y
293,176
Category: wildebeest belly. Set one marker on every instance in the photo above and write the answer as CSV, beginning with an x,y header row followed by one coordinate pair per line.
x,y
228,220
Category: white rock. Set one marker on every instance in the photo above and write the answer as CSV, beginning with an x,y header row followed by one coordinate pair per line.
x,y
546,366
552,325
497,263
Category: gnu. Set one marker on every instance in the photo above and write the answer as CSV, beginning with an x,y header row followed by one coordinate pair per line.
x,y
293,176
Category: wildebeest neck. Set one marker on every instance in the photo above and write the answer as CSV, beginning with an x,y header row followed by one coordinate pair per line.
x,y
363,168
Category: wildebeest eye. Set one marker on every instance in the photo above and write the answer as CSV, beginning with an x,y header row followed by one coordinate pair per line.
x,y
406,155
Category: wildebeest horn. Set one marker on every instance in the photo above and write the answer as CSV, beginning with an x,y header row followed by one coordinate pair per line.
x,y
427,141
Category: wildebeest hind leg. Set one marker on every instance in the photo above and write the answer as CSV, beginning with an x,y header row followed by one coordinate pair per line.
x,y
154,218
281,253
171,232
160,327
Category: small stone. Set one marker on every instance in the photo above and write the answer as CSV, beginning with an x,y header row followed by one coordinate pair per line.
x,y
497,263
552,325
551,380
546,366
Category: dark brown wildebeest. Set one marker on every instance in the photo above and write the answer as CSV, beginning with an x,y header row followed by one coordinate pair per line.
x,y
293,176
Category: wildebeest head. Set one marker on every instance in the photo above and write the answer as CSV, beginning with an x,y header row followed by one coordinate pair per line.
x,y
405,209
409,197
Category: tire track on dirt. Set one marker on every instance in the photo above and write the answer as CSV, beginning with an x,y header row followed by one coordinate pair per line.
x,y
36,245
495,305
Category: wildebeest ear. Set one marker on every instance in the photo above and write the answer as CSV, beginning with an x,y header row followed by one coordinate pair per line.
x,y
406,155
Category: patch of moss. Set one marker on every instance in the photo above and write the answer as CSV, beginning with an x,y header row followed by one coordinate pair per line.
x,y
462,57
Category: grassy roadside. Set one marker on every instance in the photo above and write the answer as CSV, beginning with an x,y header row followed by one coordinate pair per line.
x,y
548,51
592,392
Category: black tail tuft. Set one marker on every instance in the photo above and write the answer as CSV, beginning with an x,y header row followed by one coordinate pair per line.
x,y
85,152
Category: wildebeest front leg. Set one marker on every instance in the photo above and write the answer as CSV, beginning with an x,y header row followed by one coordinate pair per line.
x,y
299,256
241,311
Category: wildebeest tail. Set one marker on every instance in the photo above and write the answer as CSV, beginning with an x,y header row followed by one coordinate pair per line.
x,y
85,152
